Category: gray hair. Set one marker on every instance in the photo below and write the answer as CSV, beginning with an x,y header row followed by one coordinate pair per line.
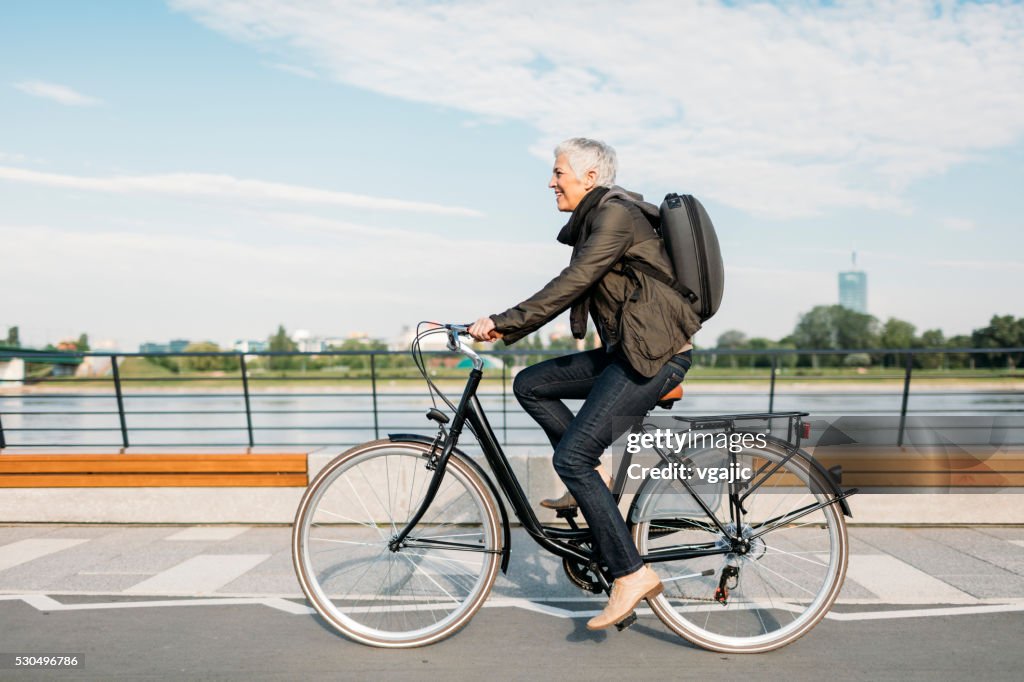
x,y
585,154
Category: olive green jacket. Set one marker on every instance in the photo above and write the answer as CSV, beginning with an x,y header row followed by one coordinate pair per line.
x,y
648,319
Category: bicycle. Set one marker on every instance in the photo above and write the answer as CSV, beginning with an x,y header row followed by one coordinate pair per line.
x,y
397,542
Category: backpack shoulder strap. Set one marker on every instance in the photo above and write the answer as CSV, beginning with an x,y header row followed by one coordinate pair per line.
x,y
679,287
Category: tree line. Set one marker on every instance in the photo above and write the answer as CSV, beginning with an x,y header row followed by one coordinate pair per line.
x,y
824,327
835,327
281,342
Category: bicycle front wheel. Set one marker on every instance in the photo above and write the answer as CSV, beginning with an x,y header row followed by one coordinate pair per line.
x,y
377,594
782,581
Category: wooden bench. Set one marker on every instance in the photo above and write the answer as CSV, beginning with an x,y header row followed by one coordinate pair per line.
x,y
892,467
911,468
200,469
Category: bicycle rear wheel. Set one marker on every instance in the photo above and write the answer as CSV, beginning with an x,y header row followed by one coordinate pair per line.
x,y
416,594
779,587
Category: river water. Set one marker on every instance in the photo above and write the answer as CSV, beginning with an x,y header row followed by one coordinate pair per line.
x,y
166,418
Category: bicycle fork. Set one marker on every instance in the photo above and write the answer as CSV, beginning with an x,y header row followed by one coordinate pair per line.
x,y
441,462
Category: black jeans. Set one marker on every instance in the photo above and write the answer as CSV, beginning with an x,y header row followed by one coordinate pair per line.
x,y
611,389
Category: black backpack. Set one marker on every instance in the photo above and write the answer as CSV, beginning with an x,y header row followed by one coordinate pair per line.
x,y
692,246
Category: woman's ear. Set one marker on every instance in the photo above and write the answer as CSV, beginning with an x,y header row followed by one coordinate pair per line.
x,y
590,179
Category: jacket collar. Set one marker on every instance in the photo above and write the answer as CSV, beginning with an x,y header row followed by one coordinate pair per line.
x,y
570,233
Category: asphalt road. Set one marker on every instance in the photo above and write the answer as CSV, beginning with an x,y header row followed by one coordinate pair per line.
x,y
80,595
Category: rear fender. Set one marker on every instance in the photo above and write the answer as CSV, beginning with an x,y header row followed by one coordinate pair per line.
x,y
826,475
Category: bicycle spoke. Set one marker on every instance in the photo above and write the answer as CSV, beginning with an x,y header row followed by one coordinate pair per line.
x,y
345,518
369,516
346,542
428,577
775,550
760,567
387,509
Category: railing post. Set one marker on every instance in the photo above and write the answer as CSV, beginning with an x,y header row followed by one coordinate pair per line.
x,y
771,390
504,406
373,385
120,400
245,390
3,441
906,394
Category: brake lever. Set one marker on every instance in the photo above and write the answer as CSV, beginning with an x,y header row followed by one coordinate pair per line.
x,y
454,331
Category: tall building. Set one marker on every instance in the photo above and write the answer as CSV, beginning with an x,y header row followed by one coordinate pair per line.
x,y
853,288
175,346
249,346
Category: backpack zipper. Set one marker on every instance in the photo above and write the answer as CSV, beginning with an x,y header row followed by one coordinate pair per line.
x,y
702,274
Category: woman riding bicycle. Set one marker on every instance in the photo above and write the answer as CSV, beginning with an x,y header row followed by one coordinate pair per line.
x,y
645,328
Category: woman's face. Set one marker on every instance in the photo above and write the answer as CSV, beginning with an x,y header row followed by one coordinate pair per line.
x,y
569,189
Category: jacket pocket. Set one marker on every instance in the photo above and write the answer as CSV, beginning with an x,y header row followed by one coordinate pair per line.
x,y
649,328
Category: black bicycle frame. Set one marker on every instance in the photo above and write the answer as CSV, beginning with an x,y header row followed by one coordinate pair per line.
x,y
555,540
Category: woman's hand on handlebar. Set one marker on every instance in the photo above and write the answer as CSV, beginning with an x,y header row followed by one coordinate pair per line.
x,y
483,330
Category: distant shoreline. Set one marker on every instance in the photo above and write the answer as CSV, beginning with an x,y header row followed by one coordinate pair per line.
x,y
493,387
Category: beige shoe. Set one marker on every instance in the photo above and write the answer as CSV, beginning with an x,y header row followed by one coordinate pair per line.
x,y
567,501
627,592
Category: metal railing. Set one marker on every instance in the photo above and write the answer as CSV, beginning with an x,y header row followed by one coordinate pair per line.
x,y
240,372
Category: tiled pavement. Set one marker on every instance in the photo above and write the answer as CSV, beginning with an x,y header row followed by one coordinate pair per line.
x,y
888,565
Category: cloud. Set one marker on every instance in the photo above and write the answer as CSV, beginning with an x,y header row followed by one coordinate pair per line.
x,y
959,224
186,286
786,109
987,265
60,94
294,70
225,187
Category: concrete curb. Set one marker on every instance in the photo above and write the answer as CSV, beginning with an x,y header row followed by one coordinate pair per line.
x,y
278,505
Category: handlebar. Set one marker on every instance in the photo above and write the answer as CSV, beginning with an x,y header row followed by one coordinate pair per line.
x,y
456,346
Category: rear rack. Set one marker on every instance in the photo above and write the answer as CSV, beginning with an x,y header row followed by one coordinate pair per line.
x,y
796,428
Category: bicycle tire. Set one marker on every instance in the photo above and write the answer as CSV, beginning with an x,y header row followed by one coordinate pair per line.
x,y
419,594
777,562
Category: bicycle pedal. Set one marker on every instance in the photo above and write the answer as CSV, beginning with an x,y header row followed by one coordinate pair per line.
x,y
567,512
626,622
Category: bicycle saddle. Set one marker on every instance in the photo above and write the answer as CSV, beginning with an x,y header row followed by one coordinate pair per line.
x,y
669,399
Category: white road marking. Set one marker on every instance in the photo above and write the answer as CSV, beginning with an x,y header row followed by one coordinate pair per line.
x,y
288,606
208,533
44,602
527,605
199,575
897,582
1019,543
926,613
23,551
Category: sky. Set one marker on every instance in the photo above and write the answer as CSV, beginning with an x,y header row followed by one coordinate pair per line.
x,y
209,169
